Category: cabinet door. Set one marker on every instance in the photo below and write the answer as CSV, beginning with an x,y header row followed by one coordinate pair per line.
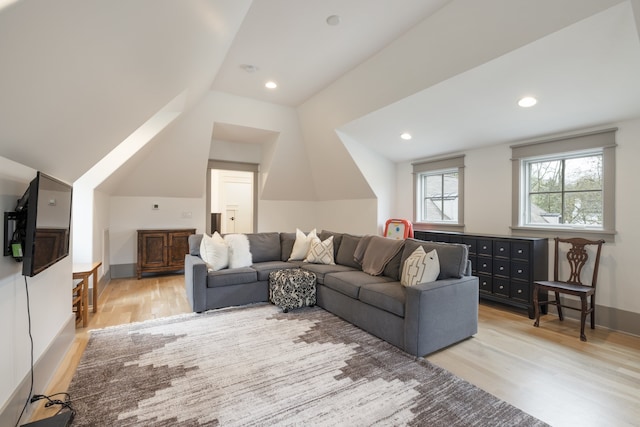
x,y
178,247
153,249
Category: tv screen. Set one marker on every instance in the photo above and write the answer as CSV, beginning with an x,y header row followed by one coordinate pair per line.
x,y
48,223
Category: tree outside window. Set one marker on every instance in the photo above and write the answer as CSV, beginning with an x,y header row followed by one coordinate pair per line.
x,y
565,190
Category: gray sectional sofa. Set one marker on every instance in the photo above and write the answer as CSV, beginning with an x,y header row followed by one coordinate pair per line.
x,y
419,319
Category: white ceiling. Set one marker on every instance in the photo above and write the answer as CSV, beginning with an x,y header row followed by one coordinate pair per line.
x,y
584,75
290,42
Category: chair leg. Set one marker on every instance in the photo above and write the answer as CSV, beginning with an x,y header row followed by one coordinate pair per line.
x,y
583,317
558,306
536,305
593,311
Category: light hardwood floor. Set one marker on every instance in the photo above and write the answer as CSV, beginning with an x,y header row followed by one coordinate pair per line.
x,y
547,371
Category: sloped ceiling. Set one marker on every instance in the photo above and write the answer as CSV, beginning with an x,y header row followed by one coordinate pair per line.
x,y
78,77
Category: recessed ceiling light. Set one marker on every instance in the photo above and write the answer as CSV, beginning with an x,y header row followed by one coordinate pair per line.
x,y
406,136
527,101
333,20
271,85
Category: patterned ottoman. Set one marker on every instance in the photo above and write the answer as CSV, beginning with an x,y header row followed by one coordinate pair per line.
x,y
292,288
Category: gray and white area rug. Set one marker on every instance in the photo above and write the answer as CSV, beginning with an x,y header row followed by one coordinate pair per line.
x,y
257,366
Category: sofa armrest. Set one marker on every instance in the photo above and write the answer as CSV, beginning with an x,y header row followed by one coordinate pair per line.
x,y
440,313
195,281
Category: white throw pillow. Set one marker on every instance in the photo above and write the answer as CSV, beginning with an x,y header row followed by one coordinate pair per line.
x,y
420,267
321,252
214,252
239,254
301,245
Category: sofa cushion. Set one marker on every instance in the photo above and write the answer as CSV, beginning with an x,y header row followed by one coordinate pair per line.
x,y
453,256
321,252
214,251
264,268
389,296
232,276
302,244
392,269
337,239
420,267
264,246
239,252
286,245
194,244
349,282
322,269
346,250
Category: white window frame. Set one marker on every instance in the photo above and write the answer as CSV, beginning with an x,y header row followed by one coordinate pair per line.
x,y
438,167
601,141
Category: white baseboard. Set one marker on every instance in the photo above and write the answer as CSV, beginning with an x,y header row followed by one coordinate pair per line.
x,y
43,370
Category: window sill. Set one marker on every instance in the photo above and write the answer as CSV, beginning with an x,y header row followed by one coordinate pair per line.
x,y
564,232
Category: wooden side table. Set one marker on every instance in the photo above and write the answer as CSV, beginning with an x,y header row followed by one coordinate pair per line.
x,y
84,271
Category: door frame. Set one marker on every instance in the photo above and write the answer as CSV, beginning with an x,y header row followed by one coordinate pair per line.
x,y
232,166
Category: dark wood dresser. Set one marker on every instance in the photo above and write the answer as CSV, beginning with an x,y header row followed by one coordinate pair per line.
x,y
506,266
162,251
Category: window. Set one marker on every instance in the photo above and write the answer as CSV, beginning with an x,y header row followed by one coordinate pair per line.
x,y
565,190
438,189
566,184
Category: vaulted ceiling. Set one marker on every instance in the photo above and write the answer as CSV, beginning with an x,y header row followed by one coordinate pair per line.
x,y
79,79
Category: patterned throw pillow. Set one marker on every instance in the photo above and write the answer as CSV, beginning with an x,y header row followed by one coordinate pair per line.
x,y
321,252
214,251
302,245
420,267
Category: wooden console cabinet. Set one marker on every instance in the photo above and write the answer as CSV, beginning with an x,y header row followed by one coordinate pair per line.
x,y
161,251
506,266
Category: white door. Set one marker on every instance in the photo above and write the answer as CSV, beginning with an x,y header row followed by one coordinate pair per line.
x,y
237,195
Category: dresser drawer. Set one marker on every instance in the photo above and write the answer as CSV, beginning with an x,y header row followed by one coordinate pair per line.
x,y
484,247
484,265
501,267
520,270
501,249
472,243
520,291
520,250
501,286
485,283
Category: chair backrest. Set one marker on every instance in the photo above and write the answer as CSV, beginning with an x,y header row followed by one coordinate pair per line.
x,y
577,257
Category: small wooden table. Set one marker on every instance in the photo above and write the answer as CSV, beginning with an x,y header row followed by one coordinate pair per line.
x,y
84,271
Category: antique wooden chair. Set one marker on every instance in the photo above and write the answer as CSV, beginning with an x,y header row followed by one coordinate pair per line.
x,y
577,257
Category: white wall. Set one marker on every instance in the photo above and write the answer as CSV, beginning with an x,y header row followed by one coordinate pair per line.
x,y
49,296
128,214
488,210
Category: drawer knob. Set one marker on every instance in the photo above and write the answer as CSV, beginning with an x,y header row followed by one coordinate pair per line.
x,y
484,265
501,287
519,271
501,249
519,291
484,283
501,268
484,247
519,251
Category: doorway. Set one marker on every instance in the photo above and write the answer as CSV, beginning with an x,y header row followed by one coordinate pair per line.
x,y
231,197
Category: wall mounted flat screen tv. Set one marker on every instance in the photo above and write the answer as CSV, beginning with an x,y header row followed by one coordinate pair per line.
x,y
47,223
